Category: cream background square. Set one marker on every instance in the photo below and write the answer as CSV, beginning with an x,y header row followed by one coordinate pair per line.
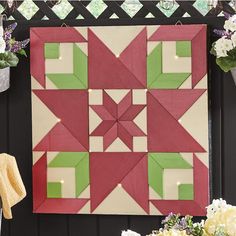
x,y
171,63
65,62
95,97
96,144
65,176
139,96
172,178
140,144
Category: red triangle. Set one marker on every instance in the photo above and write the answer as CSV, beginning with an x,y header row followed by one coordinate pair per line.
x,y
199,49
177,102
135,55
135,183
57,205
201,182
165,134
71,107
107,170
39,181
59,139
183,207
105,70
37,63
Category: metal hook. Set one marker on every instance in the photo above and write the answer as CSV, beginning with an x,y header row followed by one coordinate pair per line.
x,y
64,25
4,16
178,22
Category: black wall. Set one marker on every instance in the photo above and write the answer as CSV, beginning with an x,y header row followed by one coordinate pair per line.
x,y
15,139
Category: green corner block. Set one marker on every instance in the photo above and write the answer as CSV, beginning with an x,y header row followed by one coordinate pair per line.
x,y
82,175
51,50
66,81
169,80
155,176
183,48
80,66
154,65
67,159
76,80
170,161
156,79
186,192
54,190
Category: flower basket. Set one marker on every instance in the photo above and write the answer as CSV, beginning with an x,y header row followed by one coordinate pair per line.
x,y
4,79
233,73
225,47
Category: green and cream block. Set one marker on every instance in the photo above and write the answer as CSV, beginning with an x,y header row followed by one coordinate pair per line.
x,y
168,64
66,65
67,175
170,176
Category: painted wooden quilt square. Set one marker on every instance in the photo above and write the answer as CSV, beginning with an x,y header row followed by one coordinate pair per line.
x,y
173,60
170,176
176,123
66,65
120,121
120,56
59,59
61,182
60,120
168,64
68,170
188,196
117,120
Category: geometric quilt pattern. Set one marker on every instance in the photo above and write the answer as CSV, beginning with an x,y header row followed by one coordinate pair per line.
x,y
120,120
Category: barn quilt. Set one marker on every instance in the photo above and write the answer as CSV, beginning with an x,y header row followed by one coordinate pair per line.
x,y
120,120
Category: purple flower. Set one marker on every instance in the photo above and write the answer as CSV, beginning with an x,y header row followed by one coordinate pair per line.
x,y
220,32
226,15
11,44
18,45
183,223
11,28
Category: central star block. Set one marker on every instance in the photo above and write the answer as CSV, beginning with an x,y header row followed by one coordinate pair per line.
x,y
117,120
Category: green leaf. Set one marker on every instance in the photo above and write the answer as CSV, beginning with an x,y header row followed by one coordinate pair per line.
x,y
3,64
213,51
226,63
8,59
22,52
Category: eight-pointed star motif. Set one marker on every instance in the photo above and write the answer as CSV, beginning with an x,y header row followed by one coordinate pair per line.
x,y
117,120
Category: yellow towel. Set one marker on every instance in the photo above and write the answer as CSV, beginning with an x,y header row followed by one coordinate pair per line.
x,y
12,189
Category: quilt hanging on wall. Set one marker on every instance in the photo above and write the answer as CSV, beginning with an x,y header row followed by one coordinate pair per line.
x,y
120,120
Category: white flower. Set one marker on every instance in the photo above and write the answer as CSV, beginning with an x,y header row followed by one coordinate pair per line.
x,y
233,39
2,45
230,25
1,31
218,205
129,233
222,46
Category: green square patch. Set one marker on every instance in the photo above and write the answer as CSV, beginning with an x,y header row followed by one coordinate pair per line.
x,y
54,190
51,50
186,192
183,48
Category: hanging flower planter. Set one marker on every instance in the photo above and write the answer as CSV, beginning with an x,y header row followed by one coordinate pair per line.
x,y
225,47
233,73
10,49
4,79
